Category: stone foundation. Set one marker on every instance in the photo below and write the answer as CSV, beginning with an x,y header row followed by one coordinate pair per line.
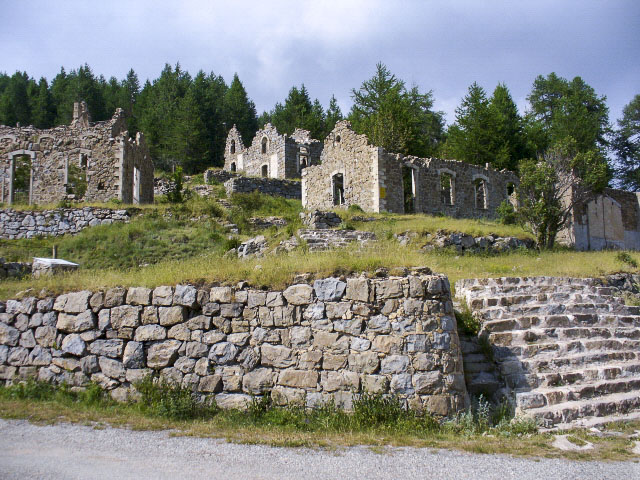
x,y
52,223
307,344
269,186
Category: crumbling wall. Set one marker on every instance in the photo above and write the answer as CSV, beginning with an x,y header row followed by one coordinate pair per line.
x,y
92,163
610,220
375,180
279,154
348,154
307,344
269,186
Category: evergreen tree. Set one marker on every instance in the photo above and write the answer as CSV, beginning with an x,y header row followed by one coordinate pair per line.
x,y
130,92
393,117
14,103
509,137
333,116
239,110
298,112
472,137
62,97
561,109
626,145
43,112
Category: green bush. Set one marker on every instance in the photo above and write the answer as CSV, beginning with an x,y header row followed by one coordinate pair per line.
x,y
467,323
506,213
168,400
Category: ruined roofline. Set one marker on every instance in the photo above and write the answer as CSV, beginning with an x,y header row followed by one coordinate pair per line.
x,y
237,136
346,125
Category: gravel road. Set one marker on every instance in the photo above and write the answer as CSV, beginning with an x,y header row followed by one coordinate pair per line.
x,y
71,451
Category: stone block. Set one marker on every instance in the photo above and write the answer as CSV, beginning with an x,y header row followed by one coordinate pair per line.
x,y
394,364
223,353
298,378
125,316
139,296
162,296
277,356
221,294
112,368
77,302
401,384
170,316
426,383
114,297
185,295
111,348
163,354
358,289
365,362
333,362
391,288
360,344
374,383
76,323
315,311
133,356
196,350
233,401
256,299
147,333
210,384
213,337
301,294
387,344
329,289
149,315
9,335
258,381
179,332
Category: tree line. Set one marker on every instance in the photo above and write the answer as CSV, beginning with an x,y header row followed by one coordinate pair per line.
x,y
186,118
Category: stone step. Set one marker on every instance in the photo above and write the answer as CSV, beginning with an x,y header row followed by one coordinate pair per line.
x,y
524,337
546,396
589,422
560,321
603,308
589,374
513,300
568,363
614,404
553,349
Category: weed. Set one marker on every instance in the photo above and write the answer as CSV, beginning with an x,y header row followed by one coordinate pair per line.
x,y
627,259
168,400
468,324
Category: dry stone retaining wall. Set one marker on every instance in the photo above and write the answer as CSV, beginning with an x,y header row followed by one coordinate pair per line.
x,y
269,186
28,224
306,345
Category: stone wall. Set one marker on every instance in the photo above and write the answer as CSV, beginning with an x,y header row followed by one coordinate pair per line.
x,y
306,345
374,179
63,159
47,223
280,155
269,186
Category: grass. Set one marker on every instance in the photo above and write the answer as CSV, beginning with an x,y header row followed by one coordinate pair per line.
x,y
376,421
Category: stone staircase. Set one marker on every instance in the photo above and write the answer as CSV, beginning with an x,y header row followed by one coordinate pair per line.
x,y
567,349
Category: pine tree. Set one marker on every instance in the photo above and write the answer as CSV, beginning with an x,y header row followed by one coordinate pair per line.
x,y
509,137
14,102
333,116
43,109
626,145
239,110
472,137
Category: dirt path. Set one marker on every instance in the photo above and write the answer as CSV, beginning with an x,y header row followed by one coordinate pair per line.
x,y
71,451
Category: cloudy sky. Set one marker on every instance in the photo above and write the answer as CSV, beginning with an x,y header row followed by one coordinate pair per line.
x,y
332,46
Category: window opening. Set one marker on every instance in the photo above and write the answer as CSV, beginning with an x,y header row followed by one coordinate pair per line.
x,y
264,144
511,189
446,189
480,193
409,189
265,171
232,148
21,178
338,189
76,180
233,166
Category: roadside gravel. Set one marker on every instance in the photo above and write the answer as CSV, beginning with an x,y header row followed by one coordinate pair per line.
x,y
67,451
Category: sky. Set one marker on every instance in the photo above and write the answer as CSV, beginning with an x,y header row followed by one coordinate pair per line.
x,y
333,46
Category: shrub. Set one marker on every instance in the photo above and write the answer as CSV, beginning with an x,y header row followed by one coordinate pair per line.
x,y
168,400
506,213
467,323
627,259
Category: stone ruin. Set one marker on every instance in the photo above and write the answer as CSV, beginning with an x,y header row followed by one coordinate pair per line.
x,y
354,172
90,162
272,155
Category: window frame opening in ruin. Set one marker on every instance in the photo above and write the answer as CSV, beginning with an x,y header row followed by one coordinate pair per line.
x,y
265,145
232,167
304,162
511,189
136,180
338,138
409,189
232,147
447,188
337,189
264,171
480,193
75,178
21,179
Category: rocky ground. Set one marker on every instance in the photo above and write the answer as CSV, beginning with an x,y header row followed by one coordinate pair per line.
x,y
71,451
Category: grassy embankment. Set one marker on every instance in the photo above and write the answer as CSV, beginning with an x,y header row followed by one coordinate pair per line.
x,y
185,243
376,421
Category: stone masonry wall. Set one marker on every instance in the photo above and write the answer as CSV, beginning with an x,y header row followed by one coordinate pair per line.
x,y
306,345
29,224
270,186
103,152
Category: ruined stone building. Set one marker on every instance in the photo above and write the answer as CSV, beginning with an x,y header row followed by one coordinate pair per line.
x,y
611,220
354,172
91,162
270,154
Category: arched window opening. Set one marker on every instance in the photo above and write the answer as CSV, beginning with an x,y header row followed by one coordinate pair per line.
x,y
337,182
265,143
233,166
265,171
511,189
409,189
232,147
21,179
446,189
480,186
303,162
338,139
